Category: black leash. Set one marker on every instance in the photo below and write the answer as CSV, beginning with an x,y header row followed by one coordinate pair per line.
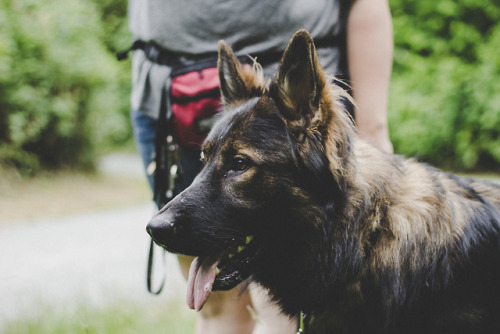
x,y
150,270
165,173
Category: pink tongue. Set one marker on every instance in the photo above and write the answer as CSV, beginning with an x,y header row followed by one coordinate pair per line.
x,y
200,281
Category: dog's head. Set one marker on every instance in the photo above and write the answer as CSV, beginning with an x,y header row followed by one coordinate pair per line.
x,y
271,164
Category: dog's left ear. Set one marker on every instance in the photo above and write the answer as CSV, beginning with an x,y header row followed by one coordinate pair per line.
x,y
300,81
230,75
237,82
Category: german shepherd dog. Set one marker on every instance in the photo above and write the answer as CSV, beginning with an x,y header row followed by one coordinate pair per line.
x,y
361,241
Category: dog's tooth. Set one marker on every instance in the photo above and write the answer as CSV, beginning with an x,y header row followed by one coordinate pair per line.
x,y
248,239
240,248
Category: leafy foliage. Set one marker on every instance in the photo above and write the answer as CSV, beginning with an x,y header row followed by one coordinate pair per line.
x,y
63,95
445,97
61,90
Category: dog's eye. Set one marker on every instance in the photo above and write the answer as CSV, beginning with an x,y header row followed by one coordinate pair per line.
x,y
239,164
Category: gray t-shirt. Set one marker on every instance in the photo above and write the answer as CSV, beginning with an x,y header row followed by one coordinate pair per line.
x,y
249,26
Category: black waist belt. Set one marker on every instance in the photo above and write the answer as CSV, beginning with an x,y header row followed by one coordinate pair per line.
x,y
161,56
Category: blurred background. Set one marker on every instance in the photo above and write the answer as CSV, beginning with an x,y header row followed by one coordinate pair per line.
x,y
67,157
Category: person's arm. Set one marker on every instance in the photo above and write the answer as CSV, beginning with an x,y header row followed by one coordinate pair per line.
x,y
369,54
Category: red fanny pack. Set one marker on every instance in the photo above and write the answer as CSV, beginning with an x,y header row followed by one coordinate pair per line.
x,y
195,98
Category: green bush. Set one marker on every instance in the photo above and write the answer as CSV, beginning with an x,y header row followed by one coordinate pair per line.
x,y
62,93
445,92
63,96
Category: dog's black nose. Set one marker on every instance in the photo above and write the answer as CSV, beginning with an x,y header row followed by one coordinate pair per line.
x,y
161,228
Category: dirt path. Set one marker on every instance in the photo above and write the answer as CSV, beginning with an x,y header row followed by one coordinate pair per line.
x,y
97,258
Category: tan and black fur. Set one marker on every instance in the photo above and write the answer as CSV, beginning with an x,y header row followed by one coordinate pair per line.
x,y
360,240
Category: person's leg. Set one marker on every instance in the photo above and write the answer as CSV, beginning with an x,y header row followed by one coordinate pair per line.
x,y
224,312
270,320
144,128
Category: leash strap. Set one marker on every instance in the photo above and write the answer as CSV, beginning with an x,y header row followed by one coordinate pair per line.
x,y
163,156
163,179
150,270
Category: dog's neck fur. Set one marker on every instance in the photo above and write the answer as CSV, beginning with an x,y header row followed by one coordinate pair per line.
x,y
354,219
346,212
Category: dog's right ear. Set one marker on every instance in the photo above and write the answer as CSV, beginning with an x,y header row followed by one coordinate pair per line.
x,y
300,81
237,82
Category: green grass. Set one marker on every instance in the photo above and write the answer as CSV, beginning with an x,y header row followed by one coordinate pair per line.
x,y
169,318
